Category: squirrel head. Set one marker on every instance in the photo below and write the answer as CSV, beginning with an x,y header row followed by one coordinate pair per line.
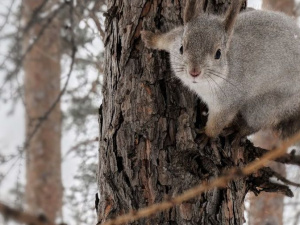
x,y
198,50
202,49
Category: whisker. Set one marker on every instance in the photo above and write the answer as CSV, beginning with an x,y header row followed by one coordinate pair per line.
x,y
177,57
178,68
218,86
217,72
213,91
217,75
178,65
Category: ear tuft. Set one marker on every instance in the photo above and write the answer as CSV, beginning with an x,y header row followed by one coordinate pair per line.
x,y
161,41
192,10
232,14
149,39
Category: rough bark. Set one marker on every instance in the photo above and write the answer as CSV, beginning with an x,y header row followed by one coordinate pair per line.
x,y
267,208
42,86
149,145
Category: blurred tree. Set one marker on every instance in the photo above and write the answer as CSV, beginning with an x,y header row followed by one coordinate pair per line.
x,y
51,33
42,87
286,6
268,208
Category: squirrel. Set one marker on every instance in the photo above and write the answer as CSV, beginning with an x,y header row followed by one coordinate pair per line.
x,y
245,64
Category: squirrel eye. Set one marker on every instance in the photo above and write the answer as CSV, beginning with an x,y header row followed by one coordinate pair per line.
x,y
181,50
218,54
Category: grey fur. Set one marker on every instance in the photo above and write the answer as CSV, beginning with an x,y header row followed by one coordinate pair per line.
x,y
257,76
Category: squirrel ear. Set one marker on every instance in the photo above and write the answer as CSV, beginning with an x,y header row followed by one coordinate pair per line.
x,y
192,10
161,41
231,15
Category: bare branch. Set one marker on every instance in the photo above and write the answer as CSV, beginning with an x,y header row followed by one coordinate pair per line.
x,y
97,23
85,142
22,217
7,15
288,158
282,178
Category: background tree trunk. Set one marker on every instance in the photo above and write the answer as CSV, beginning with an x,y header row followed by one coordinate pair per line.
x,y
149,147
42,86
267,208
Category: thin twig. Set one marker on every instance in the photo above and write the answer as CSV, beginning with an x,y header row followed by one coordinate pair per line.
x,y
98,24
284,180
7,15
220,182
78,145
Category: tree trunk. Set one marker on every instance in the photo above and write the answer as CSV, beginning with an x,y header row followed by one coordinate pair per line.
x,y
149,145
42,86
268,208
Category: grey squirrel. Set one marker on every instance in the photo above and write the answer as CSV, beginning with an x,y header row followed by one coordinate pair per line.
x,y
245,64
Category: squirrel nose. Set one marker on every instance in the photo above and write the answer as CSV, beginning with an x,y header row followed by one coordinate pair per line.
x,y
195,72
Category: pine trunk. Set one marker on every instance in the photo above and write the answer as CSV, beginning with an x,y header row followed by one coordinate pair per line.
x,y
149,145
42,86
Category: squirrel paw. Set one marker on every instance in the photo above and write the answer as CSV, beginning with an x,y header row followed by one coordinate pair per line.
x,y
211,132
